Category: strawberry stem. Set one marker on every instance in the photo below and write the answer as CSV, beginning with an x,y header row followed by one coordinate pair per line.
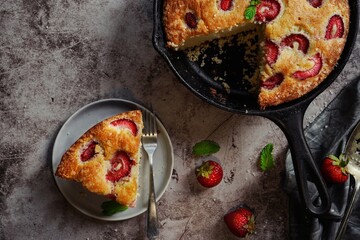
x,y
205,170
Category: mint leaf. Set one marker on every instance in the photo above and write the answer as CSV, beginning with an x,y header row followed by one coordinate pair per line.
x,y
205,148
266,157
250,12
112,207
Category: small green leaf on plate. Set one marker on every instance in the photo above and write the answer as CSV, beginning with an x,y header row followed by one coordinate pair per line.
x,y
266,157
205,148
112,207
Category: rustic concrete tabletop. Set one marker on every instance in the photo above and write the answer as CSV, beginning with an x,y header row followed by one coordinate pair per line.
x,y
56,57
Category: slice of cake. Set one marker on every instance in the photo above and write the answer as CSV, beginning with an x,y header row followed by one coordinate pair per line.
x,y
301,40
106,158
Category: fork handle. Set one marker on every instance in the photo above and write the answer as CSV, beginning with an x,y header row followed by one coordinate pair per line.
x,y
152,218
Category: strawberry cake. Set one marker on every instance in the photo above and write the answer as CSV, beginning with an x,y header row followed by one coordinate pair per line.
x,y
301,40
105,159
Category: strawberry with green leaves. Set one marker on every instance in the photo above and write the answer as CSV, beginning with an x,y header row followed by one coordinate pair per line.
x,y
334,169
209,174
241,222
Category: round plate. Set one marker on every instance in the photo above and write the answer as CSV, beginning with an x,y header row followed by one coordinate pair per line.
x,y
89,203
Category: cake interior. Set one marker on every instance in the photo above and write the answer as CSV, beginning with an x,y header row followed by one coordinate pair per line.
x,y
230,59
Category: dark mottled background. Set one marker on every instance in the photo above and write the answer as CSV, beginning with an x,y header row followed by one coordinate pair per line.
x,y
57,56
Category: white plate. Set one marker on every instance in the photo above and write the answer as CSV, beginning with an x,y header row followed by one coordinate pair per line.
x,y
89,203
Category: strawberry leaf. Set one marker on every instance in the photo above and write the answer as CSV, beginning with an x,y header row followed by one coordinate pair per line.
x,y
266,157
205,148
112,207
250,12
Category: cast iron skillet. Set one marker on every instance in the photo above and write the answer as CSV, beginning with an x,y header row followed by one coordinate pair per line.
x,y
288,116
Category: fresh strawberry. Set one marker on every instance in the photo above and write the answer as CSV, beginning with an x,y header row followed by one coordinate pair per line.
x,y
335,28
209,174
241,222
190,20
271,52
315,3
273,81
301,40
334,170
89,152
120,166
225,5
267,10
310,72
125,123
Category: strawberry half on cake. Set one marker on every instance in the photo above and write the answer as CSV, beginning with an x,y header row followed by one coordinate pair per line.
x,y
301,40
106,158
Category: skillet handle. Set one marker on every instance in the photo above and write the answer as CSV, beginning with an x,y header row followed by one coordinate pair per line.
x,y
305,168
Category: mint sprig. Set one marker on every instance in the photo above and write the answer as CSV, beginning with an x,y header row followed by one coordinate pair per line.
x,y
266,157
112,207
205,148
250,11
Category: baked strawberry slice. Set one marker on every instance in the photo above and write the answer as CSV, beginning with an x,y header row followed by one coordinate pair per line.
x,y
315,3
126,123
88,152
335,28
301,40
271,52
225,5
267,10
317,59
191,20
273,81
120,166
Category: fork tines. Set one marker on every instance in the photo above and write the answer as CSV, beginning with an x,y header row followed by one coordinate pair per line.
x,y
150,128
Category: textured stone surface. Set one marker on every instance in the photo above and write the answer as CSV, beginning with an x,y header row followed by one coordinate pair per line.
x,y
57,56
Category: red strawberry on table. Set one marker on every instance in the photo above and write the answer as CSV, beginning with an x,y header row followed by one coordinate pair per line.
x,y
267,10
301,75
333,169
241,222
335,28
209,174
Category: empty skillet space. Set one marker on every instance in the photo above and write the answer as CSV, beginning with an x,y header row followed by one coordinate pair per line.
x,y
228,64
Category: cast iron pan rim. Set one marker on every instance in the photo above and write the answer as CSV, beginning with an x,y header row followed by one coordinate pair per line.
x,y
295,104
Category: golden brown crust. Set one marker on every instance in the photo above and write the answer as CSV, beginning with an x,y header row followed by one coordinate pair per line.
x,y
210,18
295,17
109,140
302,18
